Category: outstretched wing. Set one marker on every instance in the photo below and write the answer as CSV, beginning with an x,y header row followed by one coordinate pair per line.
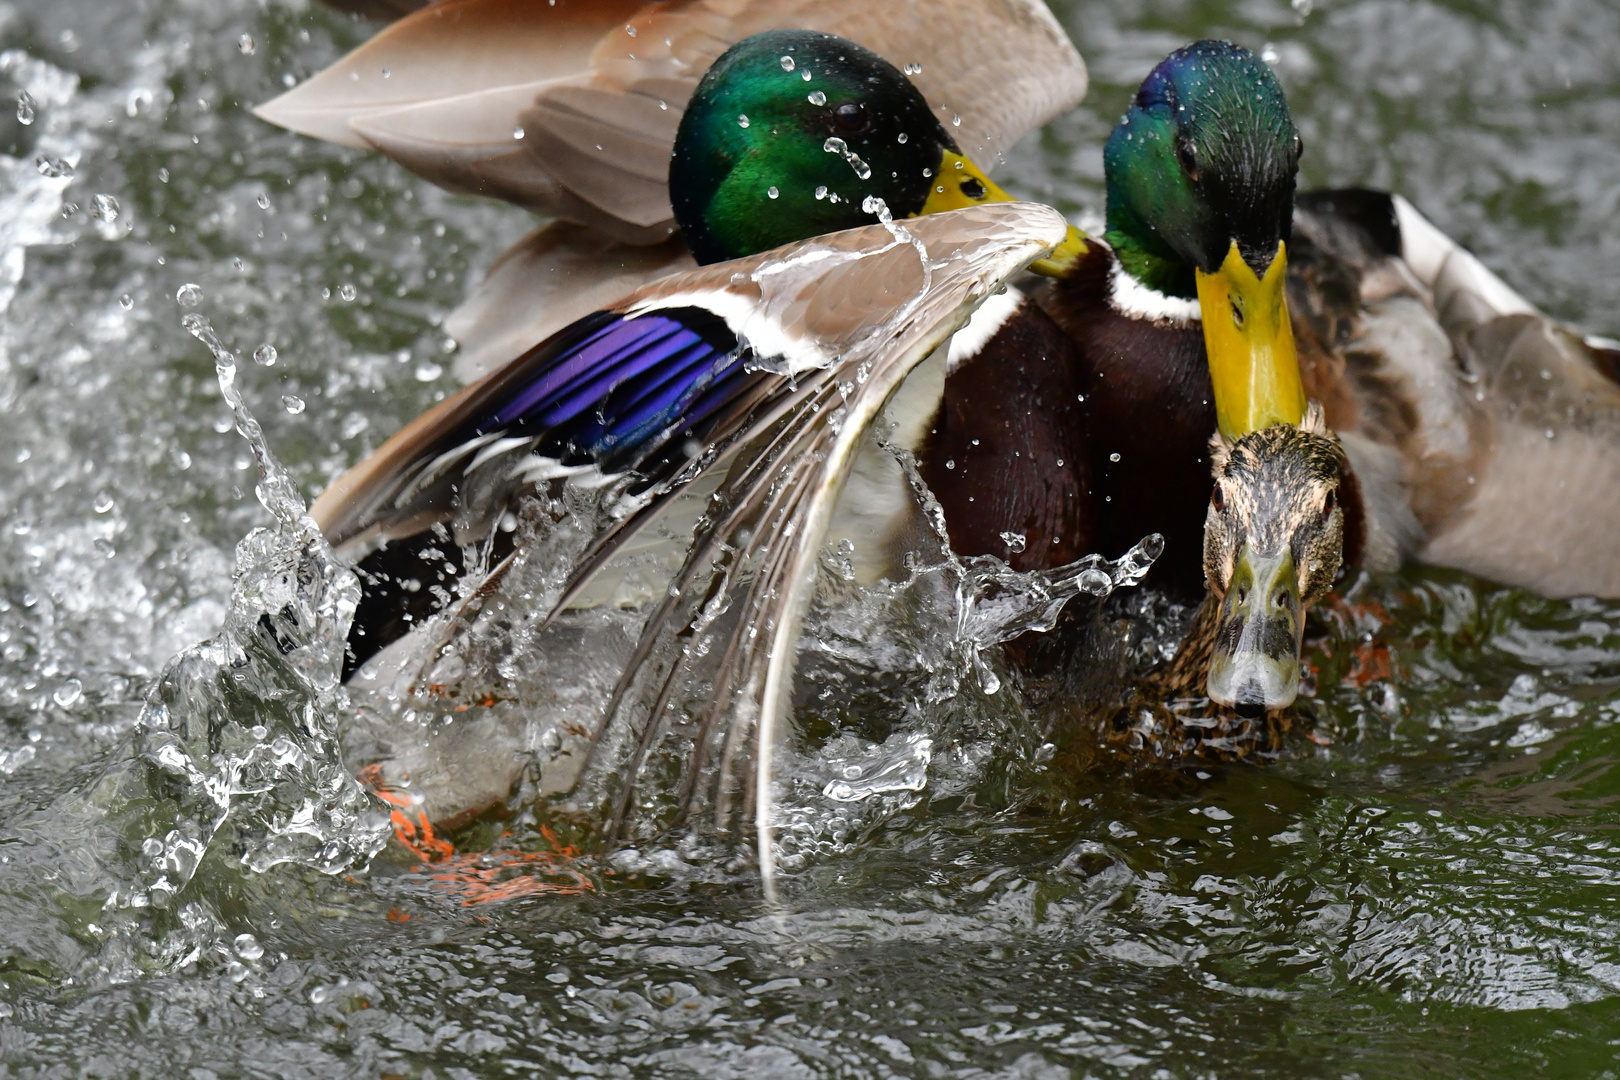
x,y
793,353
571,108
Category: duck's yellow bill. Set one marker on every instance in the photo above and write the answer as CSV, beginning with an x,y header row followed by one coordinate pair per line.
x,y
1250,340
959,183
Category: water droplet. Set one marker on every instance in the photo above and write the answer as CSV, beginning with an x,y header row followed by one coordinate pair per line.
x,y
517,133
772,192
1269,54
428,371
348,292
126,301
263,200
836,145
265,356
163,175
805,75
246,45
1096,582
104,208
817,98
68,693
25,108
950,463
630,30
742,120
787,63
189,295
1114,456
292,403
1015,541
103,502
821,192
104,547
913,69
55,168
247,947
1302,8
386,73
903,137
956,121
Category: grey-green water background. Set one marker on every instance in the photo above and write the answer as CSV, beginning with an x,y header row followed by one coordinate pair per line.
x,y
1424,884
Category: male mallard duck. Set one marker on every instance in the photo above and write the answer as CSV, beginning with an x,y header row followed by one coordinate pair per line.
x,y
570,108
805,164
1377,395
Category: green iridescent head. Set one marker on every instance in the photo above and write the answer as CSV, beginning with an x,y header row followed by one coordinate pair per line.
x,y
1205,157
788,134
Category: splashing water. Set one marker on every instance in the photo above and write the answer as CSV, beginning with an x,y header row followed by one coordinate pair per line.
x,y
835,145
239,731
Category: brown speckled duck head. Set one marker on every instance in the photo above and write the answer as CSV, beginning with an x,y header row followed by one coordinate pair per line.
x,y
1273,545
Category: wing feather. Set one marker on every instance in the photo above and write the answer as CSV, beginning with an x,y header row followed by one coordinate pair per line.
x,y
830,328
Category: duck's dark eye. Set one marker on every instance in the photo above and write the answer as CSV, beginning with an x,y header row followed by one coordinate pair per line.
x,y
1218,499
972,189
1189,162
1327,506
851,117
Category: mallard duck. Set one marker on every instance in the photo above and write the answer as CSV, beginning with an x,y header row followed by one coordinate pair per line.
x,y
805,163
1376,394
571,109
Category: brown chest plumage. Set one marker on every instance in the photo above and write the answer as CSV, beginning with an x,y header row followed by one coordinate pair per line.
x,y
1080,429
1008,452
1148,401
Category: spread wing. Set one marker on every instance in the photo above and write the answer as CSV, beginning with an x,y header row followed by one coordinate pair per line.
x,y
571,108
793,353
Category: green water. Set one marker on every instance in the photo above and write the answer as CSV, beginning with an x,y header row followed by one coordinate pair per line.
x,y
1423,881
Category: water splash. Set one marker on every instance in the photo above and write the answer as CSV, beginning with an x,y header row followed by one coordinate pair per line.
x,y
835,145
239,731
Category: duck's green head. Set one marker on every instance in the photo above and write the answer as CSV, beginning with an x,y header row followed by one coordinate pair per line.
x,y
1200,175
790,132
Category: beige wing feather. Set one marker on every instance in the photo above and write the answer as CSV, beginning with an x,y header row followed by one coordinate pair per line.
x,y
555,275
